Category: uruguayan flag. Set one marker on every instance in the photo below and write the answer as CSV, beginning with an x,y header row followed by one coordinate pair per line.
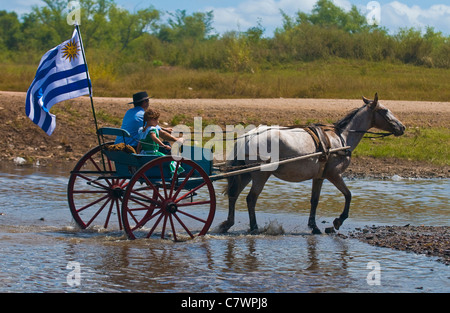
x,y
61,75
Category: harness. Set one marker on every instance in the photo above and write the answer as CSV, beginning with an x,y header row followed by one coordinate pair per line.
x,y
318,132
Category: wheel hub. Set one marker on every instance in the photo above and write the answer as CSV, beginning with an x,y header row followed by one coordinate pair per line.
x,y
116,192
171,207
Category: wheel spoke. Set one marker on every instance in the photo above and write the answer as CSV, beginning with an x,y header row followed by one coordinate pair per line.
x,y
156,224
190,192
192,216
98,168
173,228
118,214
186,179
98,212
94,181
92,203
144,198
194,203
149,183
161,171
164,226
174,179
90,191
184,226
109,214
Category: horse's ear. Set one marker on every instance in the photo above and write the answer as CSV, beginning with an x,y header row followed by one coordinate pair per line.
x,y
374,103
366,101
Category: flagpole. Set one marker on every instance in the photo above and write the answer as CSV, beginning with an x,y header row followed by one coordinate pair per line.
x,y
90,93
89,83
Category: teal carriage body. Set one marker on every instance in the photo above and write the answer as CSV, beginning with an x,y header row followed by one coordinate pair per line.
x,y
145,195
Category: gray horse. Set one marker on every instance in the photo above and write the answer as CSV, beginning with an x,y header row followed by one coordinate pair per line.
x,y
293,142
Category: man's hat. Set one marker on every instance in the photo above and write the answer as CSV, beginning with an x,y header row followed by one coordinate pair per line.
x,y
139,97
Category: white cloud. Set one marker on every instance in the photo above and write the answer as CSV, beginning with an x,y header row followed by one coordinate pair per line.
x,y
396,14
393,15
248,12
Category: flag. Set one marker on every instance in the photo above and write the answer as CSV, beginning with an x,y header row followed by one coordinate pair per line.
x,y
61,75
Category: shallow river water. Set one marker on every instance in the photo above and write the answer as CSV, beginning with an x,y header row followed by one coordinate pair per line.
x,y
43,251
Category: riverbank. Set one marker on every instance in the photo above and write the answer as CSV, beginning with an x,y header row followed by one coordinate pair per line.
x,y
75,132
426,240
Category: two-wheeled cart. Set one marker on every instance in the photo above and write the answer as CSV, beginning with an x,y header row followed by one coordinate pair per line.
x,y
148,196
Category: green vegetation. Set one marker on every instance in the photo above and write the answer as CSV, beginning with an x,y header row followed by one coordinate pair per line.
x,y
327,53
420,144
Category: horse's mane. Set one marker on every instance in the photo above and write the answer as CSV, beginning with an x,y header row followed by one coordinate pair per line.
x,y
342,123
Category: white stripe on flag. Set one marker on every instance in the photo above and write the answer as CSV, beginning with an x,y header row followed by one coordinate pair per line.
x,y
61,75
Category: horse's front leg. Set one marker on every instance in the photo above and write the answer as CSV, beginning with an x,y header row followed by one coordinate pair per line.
x,y
315,194
342,187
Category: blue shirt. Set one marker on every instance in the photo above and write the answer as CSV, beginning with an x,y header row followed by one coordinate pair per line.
x,y
131,122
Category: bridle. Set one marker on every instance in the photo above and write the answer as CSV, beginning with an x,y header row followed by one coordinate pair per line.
x,y
376,135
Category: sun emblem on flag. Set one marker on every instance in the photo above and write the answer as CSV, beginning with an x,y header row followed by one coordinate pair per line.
x,y
70,50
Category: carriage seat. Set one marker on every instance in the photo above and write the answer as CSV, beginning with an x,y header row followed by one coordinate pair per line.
x,y
127,162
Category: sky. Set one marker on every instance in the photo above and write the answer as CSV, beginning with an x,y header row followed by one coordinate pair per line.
x,y
242,14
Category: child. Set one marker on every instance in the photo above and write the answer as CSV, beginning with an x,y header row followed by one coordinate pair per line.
x,y
149,143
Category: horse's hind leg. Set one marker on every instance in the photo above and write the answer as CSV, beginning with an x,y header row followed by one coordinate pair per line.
x,y
235,186
258,181
340,184
315,194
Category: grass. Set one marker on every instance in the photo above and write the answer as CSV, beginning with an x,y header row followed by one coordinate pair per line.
x,y
418,144
333,78
431,145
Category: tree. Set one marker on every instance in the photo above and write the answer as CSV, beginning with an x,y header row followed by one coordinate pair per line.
x,y
325,13
180,25
127,26
10,35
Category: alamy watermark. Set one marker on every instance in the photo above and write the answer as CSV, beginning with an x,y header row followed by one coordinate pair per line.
x,y
73,279
374,276
74,15
236,142
373,15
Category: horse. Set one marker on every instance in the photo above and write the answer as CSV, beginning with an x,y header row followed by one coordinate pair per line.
x,y
293,142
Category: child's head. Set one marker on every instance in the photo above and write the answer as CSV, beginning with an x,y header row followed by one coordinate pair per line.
x,y
149,115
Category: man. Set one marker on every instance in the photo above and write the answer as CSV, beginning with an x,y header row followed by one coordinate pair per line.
x,y
134,118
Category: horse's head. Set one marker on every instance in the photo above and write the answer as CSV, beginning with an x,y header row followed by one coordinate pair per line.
x,y
383,118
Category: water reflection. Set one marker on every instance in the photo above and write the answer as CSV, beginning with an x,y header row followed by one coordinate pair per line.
x,y
36,251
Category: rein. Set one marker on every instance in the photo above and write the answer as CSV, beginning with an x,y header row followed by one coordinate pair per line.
x,y
376,135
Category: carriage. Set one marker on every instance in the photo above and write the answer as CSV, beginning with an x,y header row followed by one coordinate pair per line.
x,y
149,196
146,195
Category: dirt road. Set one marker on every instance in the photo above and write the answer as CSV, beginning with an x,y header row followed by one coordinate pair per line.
x,y
75,132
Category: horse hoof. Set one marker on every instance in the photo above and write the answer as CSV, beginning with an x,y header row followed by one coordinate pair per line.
x,y
223,227
329,230
316,231
337,223
254,231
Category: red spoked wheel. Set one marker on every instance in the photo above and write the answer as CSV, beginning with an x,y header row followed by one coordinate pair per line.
x,y
94,193
156,205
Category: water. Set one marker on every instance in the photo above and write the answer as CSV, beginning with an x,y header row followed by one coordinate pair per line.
x,y
42,250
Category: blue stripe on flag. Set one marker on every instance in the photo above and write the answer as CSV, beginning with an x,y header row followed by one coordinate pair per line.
x,y
48,122
62,84
49,57
55,77
80,84
42,73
